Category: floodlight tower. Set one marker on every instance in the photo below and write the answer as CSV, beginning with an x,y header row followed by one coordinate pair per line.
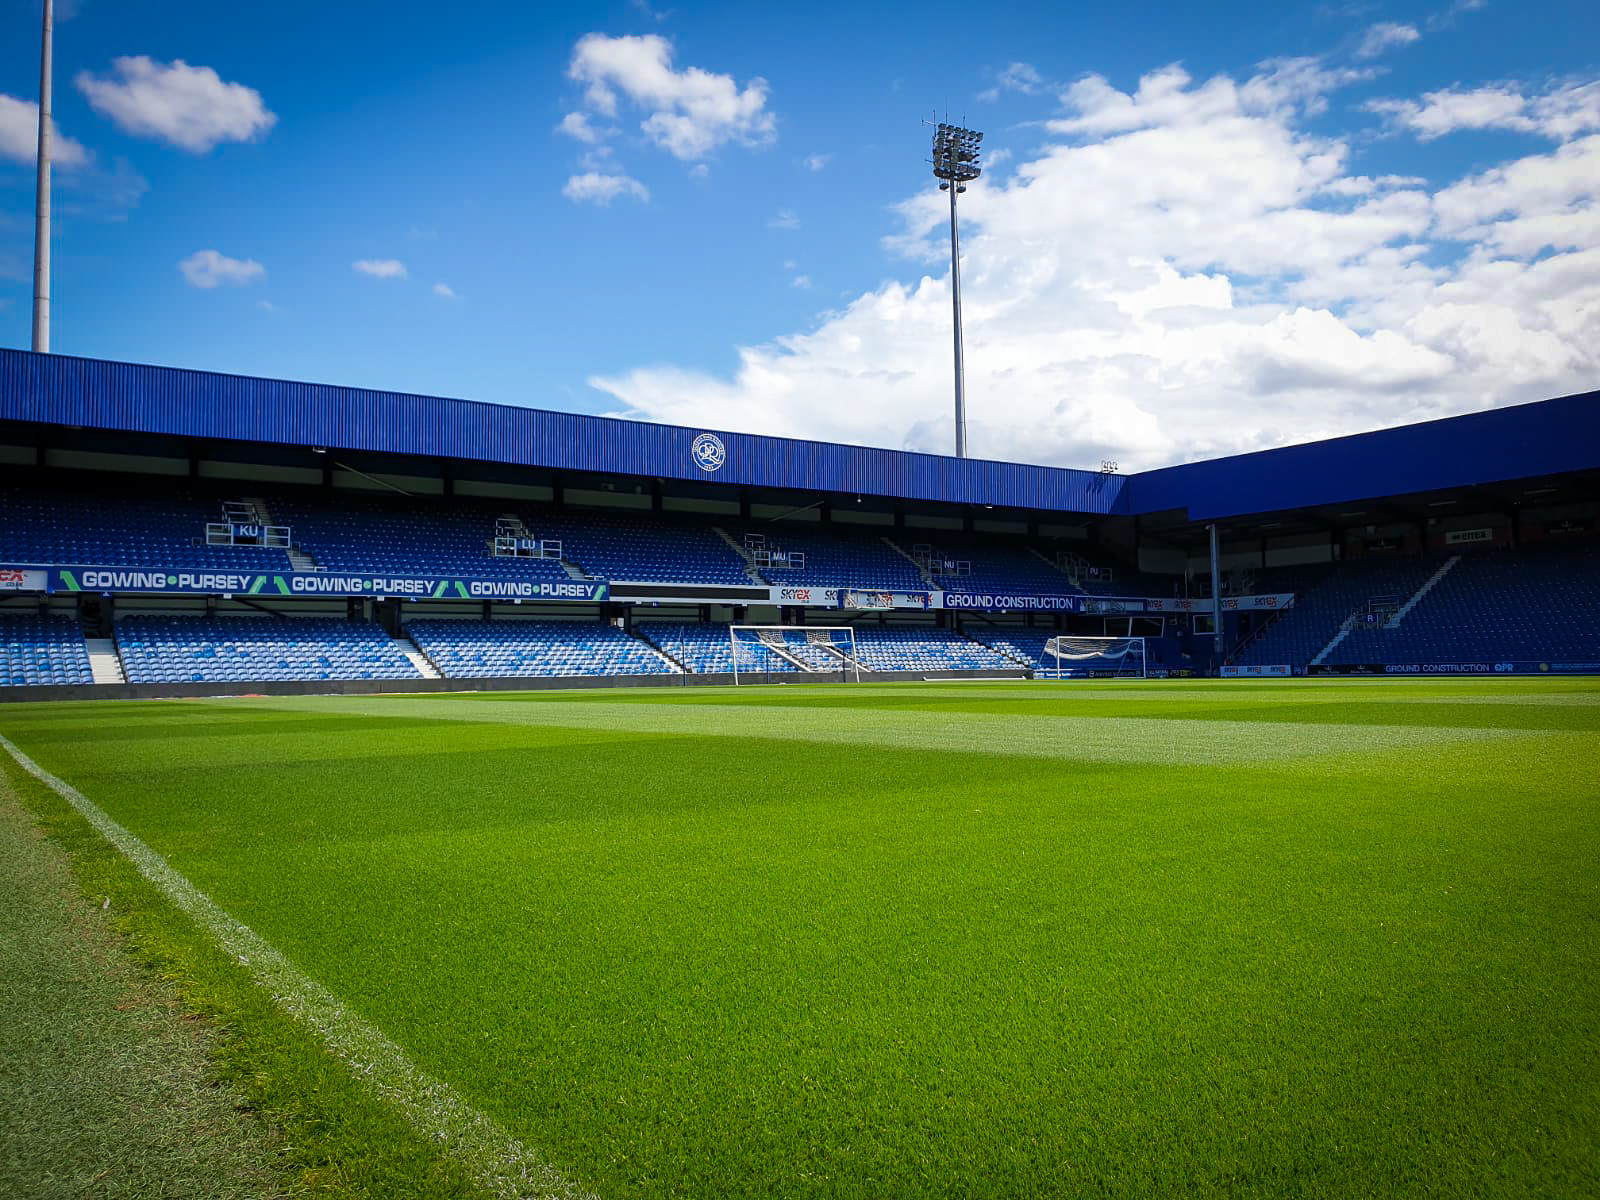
x,y
41,225
955,164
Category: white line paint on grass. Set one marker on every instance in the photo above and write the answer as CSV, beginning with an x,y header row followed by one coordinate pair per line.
x,y
498,1161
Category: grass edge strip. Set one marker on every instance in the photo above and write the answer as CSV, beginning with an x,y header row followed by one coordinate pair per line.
x,y
499,1162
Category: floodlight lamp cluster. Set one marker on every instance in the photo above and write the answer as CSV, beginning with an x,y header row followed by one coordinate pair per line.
x,y
955,156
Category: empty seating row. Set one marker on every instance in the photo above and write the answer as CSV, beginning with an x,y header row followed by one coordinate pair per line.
x,y
971,564
380,534
491,649
66,527
1319,612
1495,605
885,648
42,650
251,649
833,558
707,649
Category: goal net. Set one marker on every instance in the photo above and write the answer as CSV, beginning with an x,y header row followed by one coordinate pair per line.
x,y
761,651
1093,658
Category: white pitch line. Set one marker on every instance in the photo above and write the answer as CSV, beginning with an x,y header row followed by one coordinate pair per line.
x,y
498,1161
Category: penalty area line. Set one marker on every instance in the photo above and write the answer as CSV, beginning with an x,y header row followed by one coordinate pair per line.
x,y
497,1161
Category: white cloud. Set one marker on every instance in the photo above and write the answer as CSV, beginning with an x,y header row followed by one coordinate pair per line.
x,y
785,218
1384,36
689,113
1560,113
209,269
1017,77
815,162
577,125
444,290
1521,209
1567,111
803,282
190,107
19,136
592,187
1446,18
380,268
1185,270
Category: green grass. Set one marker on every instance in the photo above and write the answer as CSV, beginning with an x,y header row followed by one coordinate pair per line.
x,y
1292,938
103,1104
108,1090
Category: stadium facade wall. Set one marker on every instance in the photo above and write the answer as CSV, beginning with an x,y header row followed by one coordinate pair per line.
x,y
1523,441
61,390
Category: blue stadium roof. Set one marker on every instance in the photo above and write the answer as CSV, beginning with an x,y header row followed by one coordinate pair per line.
x,y
1519,442
1523,441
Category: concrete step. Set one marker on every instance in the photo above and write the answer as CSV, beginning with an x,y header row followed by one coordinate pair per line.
x,y
104,662
1400,614
419,660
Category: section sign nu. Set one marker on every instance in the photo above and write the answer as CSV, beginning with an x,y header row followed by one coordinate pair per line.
x,y
314,583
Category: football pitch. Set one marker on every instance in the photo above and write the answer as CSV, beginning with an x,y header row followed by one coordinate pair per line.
x,y
1288,938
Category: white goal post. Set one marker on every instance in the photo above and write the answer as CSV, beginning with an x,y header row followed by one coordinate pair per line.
x,y
1093,658
822,649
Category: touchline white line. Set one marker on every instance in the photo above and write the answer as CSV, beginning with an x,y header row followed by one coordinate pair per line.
x,y
498,1161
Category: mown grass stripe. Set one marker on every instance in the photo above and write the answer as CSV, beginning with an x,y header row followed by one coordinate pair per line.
x,y
1076,738
499,1162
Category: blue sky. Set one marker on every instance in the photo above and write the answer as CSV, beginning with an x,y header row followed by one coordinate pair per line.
x,y
1203,228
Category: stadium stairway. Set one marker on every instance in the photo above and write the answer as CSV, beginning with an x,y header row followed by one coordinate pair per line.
x,y
1416,596
1350,624
419,660
105,665
749,559
928,580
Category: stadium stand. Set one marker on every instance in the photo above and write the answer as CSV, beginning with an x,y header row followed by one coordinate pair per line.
x,y
839,558
886,648
489,649
42,650
1024,647
1351,592
178,649
706,649
1484,604
448,538
1096,572
973,565
46,525
1495,605
404,538
647,549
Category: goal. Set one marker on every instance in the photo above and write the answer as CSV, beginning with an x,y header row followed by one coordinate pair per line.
x,y
1093,658
766,650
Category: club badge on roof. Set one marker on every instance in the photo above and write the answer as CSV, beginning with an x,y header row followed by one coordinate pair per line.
x,y
708,452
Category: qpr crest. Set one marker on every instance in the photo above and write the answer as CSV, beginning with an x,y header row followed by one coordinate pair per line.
x,y
708,452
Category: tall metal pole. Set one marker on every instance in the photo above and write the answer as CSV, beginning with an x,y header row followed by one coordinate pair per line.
x,y
1216,589
956,152
41,227
955,305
